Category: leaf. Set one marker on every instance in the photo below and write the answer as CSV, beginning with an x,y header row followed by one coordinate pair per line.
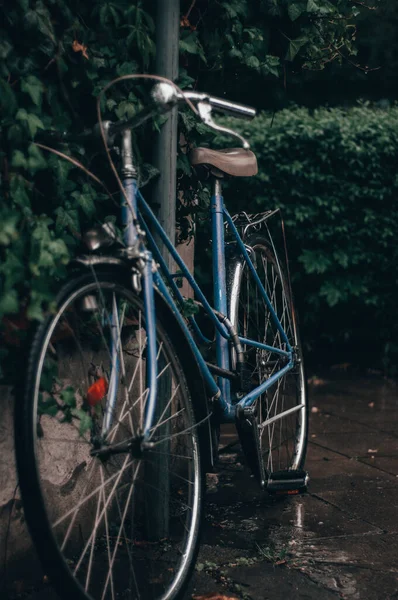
x,y
85,420
13,270
36,160
189,308
35,309
111,103
191,44
86,203
125,109
19,159
235,53
18,189
184,164
34,87
271,65
295,46
322,7
9,302
32,121
8,101
47,407
127,68
295,11
235,8
67,219
253,62
68,397
312,6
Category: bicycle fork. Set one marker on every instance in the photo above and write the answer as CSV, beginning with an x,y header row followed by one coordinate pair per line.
x,y
135,250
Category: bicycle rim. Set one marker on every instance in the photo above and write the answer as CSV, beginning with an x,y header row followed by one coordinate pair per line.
x,y
283,441
109,521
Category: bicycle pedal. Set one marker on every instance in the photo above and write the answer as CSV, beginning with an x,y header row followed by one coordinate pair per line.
x,y
287,483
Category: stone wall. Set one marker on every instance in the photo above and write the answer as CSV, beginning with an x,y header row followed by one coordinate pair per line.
x,y
17,557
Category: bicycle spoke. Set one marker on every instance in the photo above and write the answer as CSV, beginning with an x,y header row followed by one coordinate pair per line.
x,y
119,506
90,562
109,576
107,543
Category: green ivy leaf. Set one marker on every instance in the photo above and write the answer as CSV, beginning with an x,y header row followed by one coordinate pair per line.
x,y
190,308
68,397
36,160
271,65
295,46
125,109
86,203
8,102
59,251
19,159
253,62
33,86
322,7
5,49
67,219
32,121
20,197
85,420
184,164
191,45
295,11
47,407
9,302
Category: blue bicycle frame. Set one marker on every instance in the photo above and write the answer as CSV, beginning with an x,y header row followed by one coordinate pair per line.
x,y
166,284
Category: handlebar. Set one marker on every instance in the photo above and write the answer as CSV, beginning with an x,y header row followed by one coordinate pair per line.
x,y
224,106
164,96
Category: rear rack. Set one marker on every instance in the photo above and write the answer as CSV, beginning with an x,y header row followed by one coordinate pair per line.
x,y
244,221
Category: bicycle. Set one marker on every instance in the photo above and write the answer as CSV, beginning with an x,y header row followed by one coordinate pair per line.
x,y
118,418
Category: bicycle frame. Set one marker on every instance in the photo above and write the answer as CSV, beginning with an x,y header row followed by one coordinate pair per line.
x,y
221,392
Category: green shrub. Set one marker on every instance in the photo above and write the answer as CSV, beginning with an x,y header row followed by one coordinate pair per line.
x,y
334,174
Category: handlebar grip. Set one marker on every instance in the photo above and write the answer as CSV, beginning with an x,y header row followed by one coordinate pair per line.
x,y
238,110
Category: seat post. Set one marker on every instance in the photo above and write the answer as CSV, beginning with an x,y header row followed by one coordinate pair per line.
x,y
219,278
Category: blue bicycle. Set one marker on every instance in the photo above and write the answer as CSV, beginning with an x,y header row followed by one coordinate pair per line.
x,y
119,415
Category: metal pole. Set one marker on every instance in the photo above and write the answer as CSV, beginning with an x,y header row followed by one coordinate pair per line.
x,y
165,160
165,156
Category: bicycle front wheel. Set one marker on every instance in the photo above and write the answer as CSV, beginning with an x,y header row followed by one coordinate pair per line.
x,y
109,519
283,439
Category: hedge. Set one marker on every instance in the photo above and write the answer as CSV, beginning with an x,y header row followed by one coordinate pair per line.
x,y
334,174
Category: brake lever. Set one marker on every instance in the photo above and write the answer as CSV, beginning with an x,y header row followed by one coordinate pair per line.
x,y
205,112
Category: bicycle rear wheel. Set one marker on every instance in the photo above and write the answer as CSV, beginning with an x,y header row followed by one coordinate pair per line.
x,y
283,441
108,519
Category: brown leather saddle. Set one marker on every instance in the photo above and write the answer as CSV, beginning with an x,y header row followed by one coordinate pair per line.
x,y
237,162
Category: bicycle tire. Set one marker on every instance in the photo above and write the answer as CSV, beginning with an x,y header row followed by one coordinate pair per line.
x,y
289,391
111,545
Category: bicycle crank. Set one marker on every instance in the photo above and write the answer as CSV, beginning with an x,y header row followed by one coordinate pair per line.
x,y
247,428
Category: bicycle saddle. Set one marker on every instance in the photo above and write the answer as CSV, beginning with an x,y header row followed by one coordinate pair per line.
x,y
230,161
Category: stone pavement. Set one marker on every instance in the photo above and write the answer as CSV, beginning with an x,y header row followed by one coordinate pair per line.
x,y
338,541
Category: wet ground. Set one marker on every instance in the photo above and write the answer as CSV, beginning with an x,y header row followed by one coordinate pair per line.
x,y
338,541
